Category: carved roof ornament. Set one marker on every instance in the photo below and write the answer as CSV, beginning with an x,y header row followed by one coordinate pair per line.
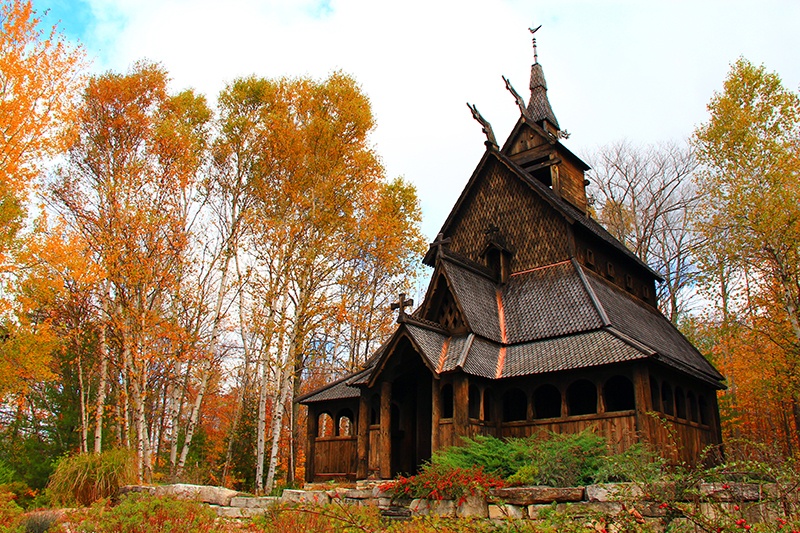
x,y
486,127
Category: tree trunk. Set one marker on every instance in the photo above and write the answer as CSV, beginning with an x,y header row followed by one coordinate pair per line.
x,y
101,390
84,412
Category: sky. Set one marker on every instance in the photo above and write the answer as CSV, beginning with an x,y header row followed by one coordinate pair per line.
x,y
635,70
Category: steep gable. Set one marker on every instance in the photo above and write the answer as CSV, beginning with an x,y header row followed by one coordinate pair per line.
x,y
496,199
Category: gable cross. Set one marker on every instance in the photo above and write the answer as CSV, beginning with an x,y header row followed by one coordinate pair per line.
x,y
439,242
401,305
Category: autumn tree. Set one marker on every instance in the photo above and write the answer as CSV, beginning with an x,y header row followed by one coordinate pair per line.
x,y
644,195
126,189
750,190
39,78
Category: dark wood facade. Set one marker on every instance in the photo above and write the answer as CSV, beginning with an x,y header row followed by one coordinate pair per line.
x,y
536,320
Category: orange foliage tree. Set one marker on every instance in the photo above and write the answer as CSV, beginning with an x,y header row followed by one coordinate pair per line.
x,y
39,78
750,191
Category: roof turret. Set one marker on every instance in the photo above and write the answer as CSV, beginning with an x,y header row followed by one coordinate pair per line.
x,y
539,108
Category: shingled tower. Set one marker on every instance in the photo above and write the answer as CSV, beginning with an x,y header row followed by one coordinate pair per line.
x,y
536,319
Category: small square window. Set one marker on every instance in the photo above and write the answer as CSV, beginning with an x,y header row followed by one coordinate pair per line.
x,y
629,282
610,269
589,257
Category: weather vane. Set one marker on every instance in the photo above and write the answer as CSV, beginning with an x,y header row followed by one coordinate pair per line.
x,y
535,55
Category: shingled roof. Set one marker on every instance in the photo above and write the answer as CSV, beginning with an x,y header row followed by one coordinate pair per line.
x,y
554,318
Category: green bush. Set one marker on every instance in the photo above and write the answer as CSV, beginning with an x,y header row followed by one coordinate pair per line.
x,y
86,478
496,457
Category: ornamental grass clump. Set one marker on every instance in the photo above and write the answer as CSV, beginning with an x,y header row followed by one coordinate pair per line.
x,y
86,478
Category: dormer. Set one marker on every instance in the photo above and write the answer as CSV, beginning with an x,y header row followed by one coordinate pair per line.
x,y
497,255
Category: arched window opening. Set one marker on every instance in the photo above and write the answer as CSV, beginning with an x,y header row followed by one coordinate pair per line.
x,y
474,402
488,405
680,403
582,398
618,394
344,423
375,410
547,402
446,396
691,402
325,425
655,394
703,407
666,399
515,405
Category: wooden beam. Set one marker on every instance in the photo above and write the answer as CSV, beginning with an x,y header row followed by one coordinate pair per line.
x,y
460,407
311,441
362,467
436,414
386,430
644,404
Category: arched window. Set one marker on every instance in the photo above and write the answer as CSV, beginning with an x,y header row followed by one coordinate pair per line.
x,y
618,394
581,398
655,394
446,397
488,405
680,403
344,423
666,399
375,409
547,402
474,402
515,405
703,408
691,402
325,425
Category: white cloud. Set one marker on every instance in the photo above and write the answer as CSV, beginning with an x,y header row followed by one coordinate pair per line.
x,y
641,70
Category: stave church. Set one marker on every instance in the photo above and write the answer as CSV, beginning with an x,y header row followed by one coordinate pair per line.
x,y
535,320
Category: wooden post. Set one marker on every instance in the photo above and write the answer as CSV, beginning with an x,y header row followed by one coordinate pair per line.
x,y
386,430
311,441
644,404
460,406
436,414
363,436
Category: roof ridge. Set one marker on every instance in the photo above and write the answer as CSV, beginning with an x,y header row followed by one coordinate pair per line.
x,y
565,261
595,300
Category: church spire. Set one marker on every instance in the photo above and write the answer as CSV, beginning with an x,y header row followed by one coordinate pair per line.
x,y
539,108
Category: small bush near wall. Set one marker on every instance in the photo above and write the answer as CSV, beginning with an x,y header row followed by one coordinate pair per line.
x,y
86,478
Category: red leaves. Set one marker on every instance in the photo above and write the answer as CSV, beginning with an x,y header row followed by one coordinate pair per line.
x,y
445,484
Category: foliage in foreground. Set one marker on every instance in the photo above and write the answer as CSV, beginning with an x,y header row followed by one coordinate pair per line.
x,y
145,514
86,478
555,460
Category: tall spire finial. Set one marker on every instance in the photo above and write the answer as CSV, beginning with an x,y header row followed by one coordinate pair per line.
x,y
535,54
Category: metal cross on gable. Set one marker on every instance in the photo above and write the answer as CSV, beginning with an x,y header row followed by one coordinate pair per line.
x,y
401,305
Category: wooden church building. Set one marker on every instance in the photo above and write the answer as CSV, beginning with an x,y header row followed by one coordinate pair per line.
x,y
536,319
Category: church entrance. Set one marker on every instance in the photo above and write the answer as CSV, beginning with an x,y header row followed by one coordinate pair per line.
x,y
410,413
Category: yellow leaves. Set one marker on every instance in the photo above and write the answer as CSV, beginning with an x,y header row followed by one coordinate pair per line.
x,y
39,75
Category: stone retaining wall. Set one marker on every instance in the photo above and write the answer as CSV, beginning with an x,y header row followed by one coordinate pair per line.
x,y
758,502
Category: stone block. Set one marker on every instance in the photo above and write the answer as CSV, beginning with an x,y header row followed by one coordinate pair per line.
x,y
501,511
537,495
358,494
136,489
316,497
253,502
228,512
199,493
614,492
473,506
576,509
423,507
730,492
